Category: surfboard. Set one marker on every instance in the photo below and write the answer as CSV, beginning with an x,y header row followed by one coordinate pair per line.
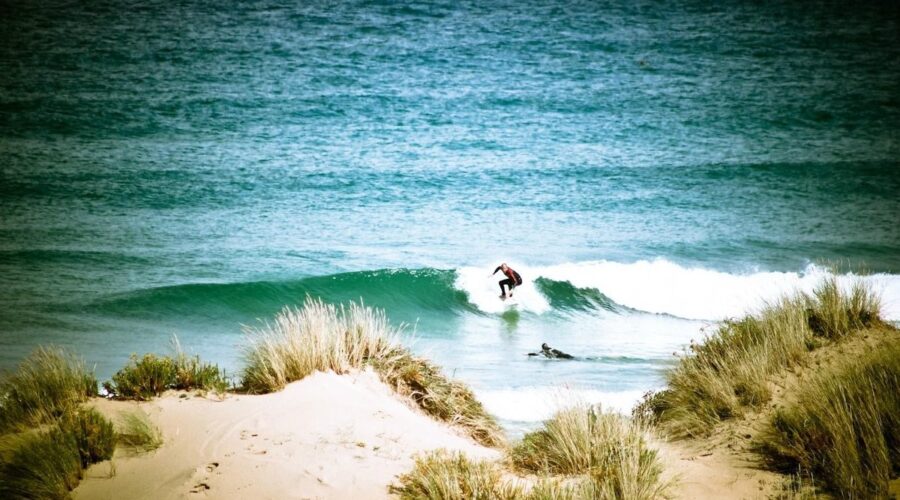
x,y
509,301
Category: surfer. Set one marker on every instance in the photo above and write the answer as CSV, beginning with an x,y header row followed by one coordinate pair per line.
x,y
512,279
551,353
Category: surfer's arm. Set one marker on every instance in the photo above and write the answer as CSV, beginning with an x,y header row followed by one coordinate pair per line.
x,y
495,271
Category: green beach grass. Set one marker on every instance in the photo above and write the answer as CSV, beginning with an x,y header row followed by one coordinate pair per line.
x,y
49,462
139,433
47,384
845,426
840,425
729,372
150,375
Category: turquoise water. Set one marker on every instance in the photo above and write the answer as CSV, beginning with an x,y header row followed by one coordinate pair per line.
x,y
189,167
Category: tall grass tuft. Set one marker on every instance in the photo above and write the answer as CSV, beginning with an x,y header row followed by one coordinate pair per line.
x,y
611,450
845,426
139,433
49,463
730,371
40,465
442,475
151,375
316,337
47,384
322,337
833,313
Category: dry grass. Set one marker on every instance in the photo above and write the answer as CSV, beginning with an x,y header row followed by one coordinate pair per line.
x,y
442,475
49,383
729,372
447,400
323,337
610,450
579,454
316,337
845,426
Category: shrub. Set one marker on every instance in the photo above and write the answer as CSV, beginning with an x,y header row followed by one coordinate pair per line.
x,y
151,375
322,337
94,436
845,426
611,450
48,383
142,378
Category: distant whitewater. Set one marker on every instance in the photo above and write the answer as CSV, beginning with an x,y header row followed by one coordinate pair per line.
x,y
662,287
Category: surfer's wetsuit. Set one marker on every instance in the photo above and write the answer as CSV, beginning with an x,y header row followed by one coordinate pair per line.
x,y
512,279
549,352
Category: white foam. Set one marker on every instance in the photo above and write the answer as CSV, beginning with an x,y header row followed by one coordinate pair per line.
x,y
535,404
660,286
484,293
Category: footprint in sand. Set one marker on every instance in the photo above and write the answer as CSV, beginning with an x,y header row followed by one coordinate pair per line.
x,y
202,486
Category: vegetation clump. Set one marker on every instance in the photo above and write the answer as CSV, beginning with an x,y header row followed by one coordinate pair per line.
x,y
609,449
139,433
322,337
442,475
49,463
730,371
579,454
47,384
151,375
94,435
845,426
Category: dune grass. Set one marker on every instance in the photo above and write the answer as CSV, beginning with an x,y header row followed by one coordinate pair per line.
x,y
323,337
579,454
48,463
729,372
845,426
47,384
139,433
610,450
39,465
442,475
149,376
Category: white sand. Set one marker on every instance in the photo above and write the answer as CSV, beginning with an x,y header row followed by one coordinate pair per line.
x,y
327,436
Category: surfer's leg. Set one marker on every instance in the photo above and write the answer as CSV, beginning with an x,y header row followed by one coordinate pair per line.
x,y
507,282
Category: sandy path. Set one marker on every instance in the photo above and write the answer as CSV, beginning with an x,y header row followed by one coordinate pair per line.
x,y
327,436
708,473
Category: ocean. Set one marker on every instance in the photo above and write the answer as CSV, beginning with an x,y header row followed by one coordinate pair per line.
x,y
650,168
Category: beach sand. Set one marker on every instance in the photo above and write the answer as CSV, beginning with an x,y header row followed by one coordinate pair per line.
x,y
326,436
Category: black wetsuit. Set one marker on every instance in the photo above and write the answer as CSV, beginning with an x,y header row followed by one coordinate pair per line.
x,y
549,352
512,279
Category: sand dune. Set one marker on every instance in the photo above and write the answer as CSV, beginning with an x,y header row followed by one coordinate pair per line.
x,y
326,436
